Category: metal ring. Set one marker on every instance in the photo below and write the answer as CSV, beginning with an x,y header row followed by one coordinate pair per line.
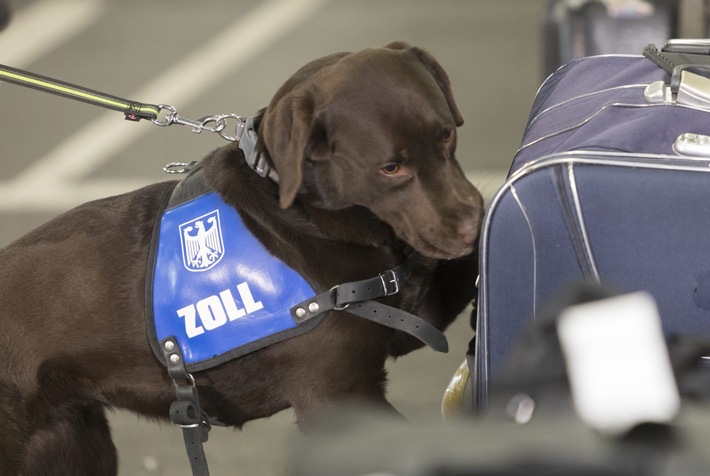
x,y
238,128
219,123
179,167
168,116
338,308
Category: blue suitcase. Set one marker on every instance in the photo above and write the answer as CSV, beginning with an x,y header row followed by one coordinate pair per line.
x,y
611,184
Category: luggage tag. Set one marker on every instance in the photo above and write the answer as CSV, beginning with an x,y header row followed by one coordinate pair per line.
x,y
618,365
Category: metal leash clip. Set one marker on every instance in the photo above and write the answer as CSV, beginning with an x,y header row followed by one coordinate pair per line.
x,y
216,123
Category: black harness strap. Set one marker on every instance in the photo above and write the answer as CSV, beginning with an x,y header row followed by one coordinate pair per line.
x,y
394,318
357,298
186,410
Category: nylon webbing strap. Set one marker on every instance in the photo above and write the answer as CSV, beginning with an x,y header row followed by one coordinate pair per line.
x,y
133,110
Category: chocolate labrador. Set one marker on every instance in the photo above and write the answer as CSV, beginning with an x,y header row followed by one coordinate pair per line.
x,y
364,177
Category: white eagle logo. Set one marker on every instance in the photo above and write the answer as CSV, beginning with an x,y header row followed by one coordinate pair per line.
x,y
201,241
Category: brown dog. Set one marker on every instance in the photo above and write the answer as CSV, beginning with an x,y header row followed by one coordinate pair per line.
x,y
363,144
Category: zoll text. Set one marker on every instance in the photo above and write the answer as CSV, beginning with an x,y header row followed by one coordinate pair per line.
x,y
216,310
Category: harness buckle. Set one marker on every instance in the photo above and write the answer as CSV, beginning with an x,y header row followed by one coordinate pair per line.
x,y
334,292
389,278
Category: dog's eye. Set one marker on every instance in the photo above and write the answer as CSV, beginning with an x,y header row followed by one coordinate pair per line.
x,y
449,134
391,169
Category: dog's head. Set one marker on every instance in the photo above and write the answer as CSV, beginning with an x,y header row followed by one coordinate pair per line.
x,y
376,129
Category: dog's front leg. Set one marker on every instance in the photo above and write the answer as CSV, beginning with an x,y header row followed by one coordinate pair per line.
x,y
316,409
72,441
340,361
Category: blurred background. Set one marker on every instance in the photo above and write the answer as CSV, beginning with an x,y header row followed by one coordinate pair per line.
x,y
229,56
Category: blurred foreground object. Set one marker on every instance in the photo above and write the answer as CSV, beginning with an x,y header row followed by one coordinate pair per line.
x,y
533,425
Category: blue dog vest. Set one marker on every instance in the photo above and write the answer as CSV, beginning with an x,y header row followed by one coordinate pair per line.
x,y
215,288
218,293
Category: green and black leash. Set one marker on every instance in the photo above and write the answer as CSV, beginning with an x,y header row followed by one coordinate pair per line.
x,y
133,110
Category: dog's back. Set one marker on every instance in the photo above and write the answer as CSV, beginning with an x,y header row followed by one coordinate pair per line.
x,y
53,306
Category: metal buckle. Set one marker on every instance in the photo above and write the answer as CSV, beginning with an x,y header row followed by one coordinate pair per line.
x,y
389,276
262,167
335,298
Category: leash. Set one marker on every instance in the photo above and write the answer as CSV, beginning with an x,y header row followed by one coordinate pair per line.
x,y
159,114
133,110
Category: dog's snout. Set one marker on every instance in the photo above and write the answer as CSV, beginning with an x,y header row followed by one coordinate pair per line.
x,y
468,231
470,221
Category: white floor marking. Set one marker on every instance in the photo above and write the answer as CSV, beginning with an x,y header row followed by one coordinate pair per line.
x,y
34,31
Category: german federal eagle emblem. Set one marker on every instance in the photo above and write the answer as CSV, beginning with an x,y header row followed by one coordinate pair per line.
x,y
201,241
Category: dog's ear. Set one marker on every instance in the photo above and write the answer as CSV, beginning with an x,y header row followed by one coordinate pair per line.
x,y
287,128
437,71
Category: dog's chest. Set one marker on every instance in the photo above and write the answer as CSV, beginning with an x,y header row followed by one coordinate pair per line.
x,y
215,288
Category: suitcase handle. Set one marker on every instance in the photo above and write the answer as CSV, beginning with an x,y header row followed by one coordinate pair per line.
x,y
689,85
699,46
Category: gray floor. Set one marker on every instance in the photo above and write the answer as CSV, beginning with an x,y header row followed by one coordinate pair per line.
x,y
228,56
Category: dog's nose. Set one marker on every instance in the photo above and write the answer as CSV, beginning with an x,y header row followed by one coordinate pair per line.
x,y
468,231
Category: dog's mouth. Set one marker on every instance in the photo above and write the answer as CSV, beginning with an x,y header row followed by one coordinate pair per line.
x,y
429,245
441,219
434,235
